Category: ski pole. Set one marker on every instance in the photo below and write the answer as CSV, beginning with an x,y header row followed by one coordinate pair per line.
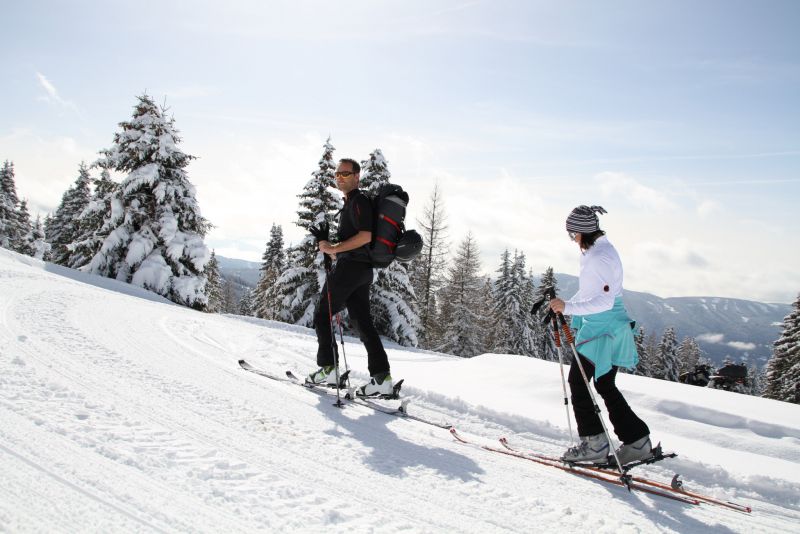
x,y
338,402
557,338
344,355
624,477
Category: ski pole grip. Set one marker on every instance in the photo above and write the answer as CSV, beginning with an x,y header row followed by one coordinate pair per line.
x,y
566,329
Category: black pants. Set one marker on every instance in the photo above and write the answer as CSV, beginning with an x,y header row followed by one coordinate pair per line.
x,y
349,286
627,426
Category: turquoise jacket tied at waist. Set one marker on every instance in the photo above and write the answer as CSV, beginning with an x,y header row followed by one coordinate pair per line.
x,y
606,338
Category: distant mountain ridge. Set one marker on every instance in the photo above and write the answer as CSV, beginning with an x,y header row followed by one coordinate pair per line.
x,y
742,330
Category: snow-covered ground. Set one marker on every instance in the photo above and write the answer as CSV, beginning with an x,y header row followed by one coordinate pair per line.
x,y
120,412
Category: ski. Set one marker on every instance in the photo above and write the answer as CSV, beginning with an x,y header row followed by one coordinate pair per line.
x,y
617,481
676,485
400,411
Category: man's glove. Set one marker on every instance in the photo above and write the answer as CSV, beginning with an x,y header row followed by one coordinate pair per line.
x,y
327,262
321,231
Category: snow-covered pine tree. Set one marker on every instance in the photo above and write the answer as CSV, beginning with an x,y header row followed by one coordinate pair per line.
x,y
39,244
297,287
213,285
429,269
246,304
157,231
94,223
643,367
265,302
392,299
668,355
504,303
688,353
9,201
25,241
755,381
524,325
393,307
545,344
462,334
513,300
783,369
652,357
374,172
486,310
64,227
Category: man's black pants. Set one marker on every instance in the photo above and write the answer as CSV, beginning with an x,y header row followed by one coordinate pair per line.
x,y
627,426
349,287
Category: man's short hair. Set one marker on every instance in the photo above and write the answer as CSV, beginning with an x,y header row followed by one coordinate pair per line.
x,y
356,167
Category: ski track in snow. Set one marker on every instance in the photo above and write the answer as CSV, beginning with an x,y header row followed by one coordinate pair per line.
x,y
119,414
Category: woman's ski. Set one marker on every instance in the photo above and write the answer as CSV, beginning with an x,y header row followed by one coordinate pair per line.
x,y
631,485
675,486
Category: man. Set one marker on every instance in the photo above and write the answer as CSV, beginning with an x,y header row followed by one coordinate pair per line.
x,y
348,285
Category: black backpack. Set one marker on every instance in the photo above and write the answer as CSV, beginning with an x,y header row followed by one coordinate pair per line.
x,y
390,239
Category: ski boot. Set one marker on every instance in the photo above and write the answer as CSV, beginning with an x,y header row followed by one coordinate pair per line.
x,y
380,386
326,376
639,450
591,449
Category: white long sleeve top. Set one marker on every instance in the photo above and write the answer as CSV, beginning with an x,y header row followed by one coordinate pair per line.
x,y
600,280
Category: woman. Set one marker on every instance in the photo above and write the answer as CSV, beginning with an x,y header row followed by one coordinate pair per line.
x,y
604,341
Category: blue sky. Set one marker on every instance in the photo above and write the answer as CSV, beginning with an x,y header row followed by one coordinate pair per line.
x,y
680,118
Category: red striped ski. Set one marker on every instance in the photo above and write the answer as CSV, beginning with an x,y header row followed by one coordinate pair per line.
x,y
589,474
641,480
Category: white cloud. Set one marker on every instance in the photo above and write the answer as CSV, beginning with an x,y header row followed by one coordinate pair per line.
x,y
52,96
613,184
711,338
740,345
707,208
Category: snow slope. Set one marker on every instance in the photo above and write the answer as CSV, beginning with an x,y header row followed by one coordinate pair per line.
x,y
127,414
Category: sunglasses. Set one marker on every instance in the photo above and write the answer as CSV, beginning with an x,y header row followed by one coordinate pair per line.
x,y
343,174
572,235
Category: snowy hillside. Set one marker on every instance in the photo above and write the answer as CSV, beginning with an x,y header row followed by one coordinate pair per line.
x,y
120,413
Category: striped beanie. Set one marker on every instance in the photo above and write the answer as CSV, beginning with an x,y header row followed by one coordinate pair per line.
x,y
584,220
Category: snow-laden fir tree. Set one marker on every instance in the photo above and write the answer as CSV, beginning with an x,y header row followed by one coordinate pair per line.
x,y
246,304
486,309
528,333
545,344
157,231
297,288
461,322
650,363
755,381
213,285
514,293
374,172
9,202
783,368
26,238
94,223
506,303
265,302
38,240
688,355
64,228
392,299
642,368
428,271
668,355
